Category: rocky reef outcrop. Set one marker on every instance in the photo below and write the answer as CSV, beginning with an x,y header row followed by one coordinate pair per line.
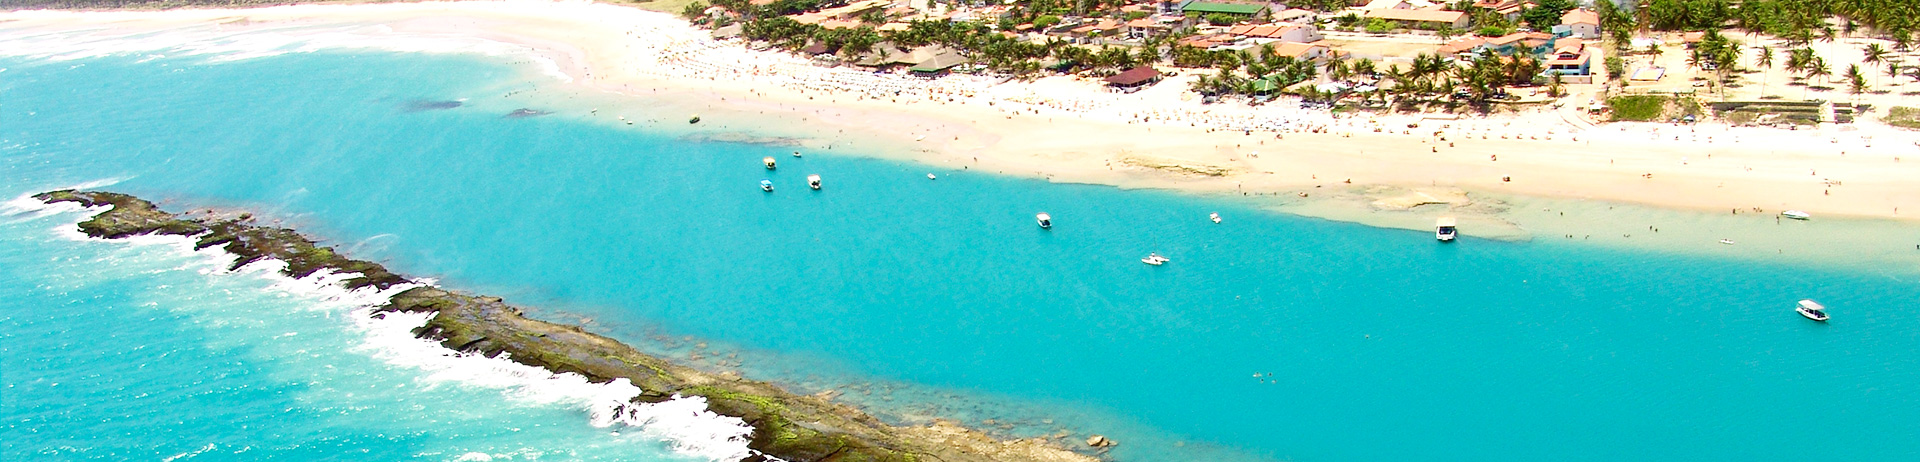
x,y
788,426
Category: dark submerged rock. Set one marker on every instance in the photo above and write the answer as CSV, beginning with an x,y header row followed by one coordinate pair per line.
x,y
523,113
420,105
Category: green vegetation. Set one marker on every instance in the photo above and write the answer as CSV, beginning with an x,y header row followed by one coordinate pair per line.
x,y
1903,117
1640,108
1646,108
1547,14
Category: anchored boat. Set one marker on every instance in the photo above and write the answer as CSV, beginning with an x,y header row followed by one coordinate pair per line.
x,y
1215,216
813,181
1812,310
1046,221
766,185
1155,259
769,161
1445,229
1797,215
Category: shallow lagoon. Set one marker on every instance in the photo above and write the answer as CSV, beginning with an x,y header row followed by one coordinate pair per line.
x,y
941,297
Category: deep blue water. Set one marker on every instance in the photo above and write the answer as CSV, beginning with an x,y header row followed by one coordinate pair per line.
x,y
1381,345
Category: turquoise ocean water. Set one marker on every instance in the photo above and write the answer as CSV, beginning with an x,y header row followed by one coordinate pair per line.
x,y
914,297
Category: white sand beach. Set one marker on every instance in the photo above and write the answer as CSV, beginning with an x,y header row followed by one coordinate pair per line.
x,y
1072,130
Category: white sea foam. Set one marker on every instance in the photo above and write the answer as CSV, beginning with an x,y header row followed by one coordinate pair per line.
x,y
684,423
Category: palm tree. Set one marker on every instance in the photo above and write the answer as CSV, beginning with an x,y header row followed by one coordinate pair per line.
x,y
1874,54
1764,61
1364,67
1817,68
1856,81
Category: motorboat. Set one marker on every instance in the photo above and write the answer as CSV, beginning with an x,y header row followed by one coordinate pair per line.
x,y
931,177
1812,310
1726,241
1445,229
1155,259
813,181
1046,221
796,153
1797,215
1215,216
769,161
766,185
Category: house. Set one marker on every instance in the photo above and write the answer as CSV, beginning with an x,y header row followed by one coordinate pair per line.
x,y
1134,79
1580,22
1294,15
1208,41
1200,8
1470,45
845,13
1088,32
1149,27
1529,43
1572,60
1571,57
1387,5
1281,32
1302,51
1428,17
1509,9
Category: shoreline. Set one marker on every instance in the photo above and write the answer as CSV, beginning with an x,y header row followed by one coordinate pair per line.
x,y
786,426
1368,164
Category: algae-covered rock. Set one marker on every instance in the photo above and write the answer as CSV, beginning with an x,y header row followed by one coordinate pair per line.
x,y
132,216
788,426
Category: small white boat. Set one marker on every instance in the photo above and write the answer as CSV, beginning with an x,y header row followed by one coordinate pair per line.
x,y
1155,259
1046,221
1797,215
1812,310
796,153
1215,216
766,185
813,181
768,161
1445,229
1726,241
931,177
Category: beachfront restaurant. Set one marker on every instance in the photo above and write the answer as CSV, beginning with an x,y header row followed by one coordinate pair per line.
x,y
937,66
1134,79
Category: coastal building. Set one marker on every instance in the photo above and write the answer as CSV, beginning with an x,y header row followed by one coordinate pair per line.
x,y
1149,27
1240,10
1134,79
1281,32
1303,51
1580,22
1209,41
1387,5
1427,18
938,65
1509,9
1294,15
1470,45
1093,31
1571,58
1528,43
849,12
